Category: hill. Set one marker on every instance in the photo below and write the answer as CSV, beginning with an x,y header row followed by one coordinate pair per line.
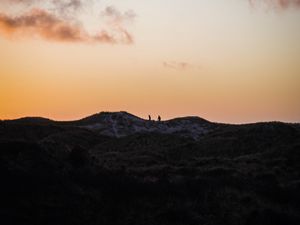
x,y
116,168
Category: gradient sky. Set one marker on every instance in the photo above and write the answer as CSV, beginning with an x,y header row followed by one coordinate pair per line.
x,y
231,61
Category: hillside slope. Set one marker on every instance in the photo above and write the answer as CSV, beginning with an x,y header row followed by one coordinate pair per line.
x,y
115,168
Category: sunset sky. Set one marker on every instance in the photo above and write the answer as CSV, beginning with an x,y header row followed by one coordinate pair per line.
x,y
234,61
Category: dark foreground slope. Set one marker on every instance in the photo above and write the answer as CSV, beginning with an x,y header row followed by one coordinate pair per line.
x,y
67,173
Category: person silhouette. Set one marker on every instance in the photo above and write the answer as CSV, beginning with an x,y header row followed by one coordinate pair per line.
x,y
159,118
149,117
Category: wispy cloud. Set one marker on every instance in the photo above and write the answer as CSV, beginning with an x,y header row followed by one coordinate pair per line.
x,y
276,4
117,21
53,22
116,17
40,23
60,5
181,66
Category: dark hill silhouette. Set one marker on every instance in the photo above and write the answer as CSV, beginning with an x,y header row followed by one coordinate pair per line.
x,y
120,124
31,120
116,168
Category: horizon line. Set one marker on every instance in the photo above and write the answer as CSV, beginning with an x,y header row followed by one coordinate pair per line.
x,y
122,111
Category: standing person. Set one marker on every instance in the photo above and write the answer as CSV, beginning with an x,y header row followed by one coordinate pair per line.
x,y
149,117
159,118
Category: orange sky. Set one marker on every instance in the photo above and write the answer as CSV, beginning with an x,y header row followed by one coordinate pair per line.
x,y
226,61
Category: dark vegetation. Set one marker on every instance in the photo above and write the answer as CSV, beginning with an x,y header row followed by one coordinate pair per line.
x,y
62,174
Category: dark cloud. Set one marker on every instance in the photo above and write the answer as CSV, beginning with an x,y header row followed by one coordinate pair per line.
x,y
58,22
45,25
116,37
67,8
40,23
73,4
116,21
276,4
20,1
115,16
63,3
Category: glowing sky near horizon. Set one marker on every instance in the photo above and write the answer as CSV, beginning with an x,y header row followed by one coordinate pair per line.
x,y
231,61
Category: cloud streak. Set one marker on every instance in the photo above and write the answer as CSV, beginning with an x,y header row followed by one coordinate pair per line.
x,y
276,4
116,17
40,23
47,26
180,66
55,25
